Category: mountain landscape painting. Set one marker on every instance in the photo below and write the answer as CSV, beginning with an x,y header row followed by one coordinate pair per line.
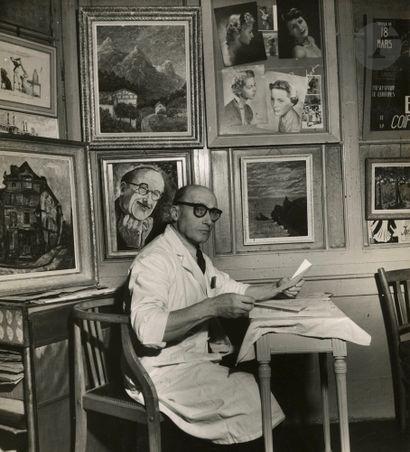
x,y
142,78
141,75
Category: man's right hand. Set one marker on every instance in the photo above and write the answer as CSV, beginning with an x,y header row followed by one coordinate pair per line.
x,y
232,305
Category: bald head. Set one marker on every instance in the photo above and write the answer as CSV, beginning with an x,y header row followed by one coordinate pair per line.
x,y
188,192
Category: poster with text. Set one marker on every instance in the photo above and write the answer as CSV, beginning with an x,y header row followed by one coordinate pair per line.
x,y
389,59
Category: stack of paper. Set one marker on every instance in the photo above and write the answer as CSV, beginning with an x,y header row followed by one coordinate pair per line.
x,y
313,306
11,367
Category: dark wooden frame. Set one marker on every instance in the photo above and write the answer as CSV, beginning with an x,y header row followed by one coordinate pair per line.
x,y
213,66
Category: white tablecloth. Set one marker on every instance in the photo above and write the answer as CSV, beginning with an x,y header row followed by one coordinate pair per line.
x,y
320,318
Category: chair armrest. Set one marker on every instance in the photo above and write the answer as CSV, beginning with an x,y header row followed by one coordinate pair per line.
x,y
101,317
138,372
404,332
82,311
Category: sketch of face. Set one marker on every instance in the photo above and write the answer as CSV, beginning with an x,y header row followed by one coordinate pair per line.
x,y
280,101
298,28
246,34
140,206
249,88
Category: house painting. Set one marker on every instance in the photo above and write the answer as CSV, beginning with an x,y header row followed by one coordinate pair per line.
x,y
31,218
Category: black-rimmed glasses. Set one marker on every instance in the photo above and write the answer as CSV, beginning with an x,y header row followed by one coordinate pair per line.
x,y
200,210
143,190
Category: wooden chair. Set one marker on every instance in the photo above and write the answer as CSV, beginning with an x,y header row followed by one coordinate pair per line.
x,y
394,294
96,388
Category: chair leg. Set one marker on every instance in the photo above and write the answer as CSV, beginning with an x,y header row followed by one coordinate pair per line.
x,y
80,430
154,436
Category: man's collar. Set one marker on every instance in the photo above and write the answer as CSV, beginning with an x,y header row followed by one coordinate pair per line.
x,y
184,242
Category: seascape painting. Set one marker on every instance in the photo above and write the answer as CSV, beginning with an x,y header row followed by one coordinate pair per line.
x,y
37,231
277,199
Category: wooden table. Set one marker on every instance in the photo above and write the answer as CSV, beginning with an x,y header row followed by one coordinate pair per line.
x,y
285,343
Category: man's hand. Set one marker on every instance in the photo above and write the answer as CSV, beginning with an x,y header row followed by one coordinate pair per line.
x,y
231,305
293,291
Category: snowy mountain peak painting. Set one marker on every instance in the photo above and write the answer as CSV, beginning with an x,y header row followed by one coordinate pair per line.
x,y
141,76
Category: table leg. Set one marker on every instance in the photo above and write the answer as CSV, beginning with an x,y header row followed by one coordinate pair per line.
x,y
264,382
325,400
340,371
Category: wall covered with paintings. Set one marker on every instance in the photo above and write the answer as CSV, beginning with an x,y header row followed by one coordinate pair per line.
x,y
322,210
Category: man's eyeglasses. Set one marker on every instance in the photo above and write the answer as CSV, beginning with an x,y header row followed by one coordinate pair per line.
x,y
143,190
200,210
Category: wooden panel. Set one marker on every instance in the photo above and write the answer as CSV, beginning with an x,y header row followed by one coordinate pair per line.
x,y
222,189
51,386
28,15
55,430
51,325
334,197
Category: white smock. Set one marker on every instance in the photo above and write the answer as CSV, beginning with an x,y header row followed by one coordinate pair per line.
x,y
200,396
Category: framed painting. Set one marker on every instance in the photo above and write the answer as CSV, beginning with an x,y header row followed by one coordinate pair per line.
x,y
17,123
387,84
136,196
277,199
266,81
387,189
46,238
28,76
141,75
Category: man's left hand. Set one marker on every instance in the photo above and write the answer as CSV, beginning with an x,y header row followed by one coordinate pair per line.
x,y
293,291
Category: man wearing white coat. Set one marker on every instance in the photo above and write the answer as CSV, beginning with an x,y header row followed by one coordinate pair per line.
x,y
174,306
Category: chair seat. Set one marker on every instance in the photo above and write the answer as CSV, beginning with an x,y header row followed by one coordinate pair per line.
x,y
111,399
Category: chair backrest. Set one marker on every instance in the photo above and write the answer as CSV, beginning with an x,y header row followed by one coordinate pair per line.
x,y
99,350
97,342
394,293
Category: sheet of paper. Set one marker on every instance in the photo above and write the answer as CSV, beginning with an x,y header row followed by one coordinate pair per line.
x,y
302,269
297,276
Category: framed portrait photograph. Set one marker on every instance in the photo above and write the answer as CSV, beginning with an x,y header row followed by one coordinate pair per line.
x,y
387,189
28,76
141,76
136,197
46,226
269,66
387,82
277,199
